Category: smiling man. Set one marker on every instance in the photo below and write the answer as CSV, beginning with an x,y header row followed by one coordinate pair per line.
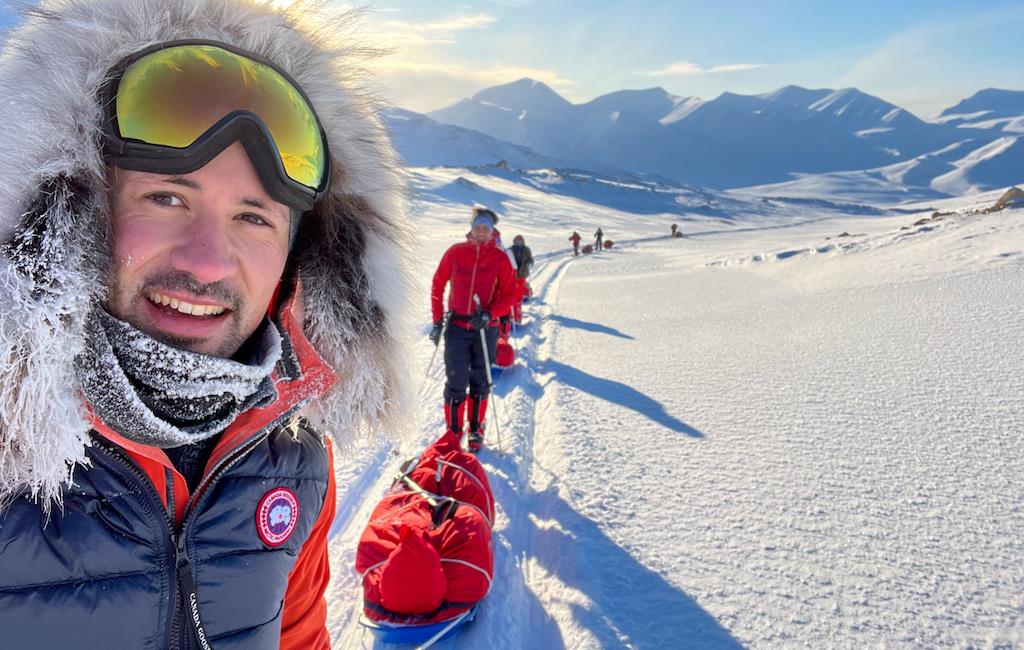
x,y
198,256
200,271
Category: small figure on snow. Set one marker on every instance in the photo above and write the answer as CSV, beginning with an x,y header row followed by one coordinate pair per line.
x,y
598,238
523,256
483,288
676,232
524,262
575,239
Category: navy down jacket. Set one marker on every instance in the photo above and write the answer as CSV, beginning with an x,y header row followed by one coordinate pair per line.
x,y
113,553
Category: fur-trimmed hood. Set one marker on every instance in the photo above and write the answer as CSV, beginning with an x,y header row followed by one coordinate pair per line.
x,y
54,219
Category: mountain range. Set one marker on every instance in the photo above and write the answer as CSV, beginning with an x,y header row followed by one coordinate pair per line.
x,y
731,141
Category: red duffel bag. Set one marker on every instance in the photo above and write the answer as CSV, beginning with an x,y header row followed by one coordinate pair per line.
x,y
505,354
445,470
426,555
416,573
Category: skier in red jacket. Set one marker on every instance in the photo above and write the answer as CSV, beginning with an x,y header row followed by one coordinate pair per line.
x,y
575,239
483,288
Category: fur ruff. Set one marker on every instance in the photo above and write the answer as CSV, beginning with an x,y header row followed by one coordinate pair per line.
x,y
54,219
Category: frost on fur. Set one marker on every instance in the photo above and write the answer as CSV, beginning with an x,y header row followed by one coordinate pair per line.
x,y
43,431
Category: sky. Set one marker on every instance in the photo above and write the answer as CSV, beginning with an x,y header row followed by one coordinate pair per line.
x,y
923,55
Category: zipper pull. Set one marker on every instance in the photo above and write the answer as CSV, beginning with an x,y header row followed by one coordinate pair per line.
x,y
188,594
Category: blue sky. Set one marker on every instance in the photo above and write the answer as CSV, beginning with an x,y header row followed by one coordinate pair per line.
x,y
921,55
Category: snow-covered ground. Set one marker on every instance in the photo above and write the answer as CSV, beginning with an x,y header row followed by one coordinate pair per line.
x,y
762,435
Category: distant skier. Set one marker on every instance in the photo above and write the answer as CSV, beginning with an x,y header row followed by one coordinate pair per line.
x,y
474,268
524,262
598,238
575,239
675,231
523,256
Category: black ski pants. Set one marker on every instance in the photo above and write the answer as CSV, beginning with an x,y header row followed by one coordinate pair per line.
x,y
464,362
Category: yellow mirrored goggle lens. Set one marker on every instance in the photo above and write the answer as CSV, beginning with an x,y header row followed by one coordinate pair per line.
x,y
173,96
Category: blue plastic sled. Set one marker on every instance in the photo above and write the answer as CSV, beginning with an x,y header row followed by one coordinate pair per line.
x,y
419,635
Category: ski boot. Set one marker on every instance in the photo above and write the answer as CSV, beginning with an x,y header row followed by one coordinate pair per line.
x,y
453,412
476,408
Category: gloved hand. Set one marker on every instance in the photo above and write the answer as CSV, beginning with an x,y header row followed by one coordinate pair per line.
x,y
435,334
480,320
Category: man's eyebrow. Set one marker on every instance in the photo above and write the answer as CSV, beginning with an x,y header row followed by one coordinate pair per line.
x,y
187,182
256,203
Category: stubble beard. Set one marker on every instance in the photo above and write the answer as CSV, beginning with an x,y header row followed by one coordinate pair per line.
x,y
128,303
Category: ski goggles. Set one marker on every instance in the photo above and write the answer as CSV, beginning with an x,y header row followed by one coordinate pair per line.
x,y
172,108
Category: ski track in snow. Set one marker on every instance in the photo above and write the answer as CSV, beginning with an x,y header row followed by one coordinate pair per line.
x,y
821,451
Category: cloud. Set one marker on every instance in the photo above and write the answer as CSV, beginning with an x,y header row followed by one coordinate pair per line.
x,y
403,33
934,64
419,73
685,68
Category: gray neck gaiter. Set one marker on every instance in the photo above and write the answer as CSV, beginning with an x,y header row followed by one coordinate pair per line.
x,y
159,395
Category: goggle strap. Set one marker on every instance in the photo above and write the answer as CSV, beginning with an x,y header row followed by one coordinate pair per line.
x,y
237,127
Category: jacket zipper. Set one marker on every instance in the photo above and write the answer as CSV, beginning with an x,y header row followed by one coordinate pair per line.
x,y
183,565
147,486
472,281
175,625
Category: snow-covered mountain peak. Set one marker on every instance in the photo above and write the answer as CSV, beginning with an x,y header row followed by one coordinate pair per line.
x,y
524,95
737,140
649,103
794,96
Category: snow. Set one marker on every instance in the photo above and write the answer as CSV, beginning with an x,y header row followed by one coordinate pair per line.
x,y
798,426
960,168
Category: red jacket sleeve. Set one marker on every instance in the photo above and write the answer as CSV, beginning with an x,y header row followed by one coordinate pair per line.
x,y
304,618
441,277
507,288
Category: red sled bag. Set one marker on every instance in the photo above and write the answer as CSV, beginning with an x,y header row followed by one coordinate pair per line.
x,y
445,469
426,555
505,355
527,292
423,560
608,243
522,289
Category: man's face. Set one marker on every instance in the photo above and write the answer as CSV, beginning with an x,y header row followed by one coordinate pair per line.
x,y
481,233
197,256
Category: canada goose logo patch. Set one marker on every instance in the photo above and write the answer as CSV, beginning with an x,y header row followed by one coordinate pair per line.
x,y
276,516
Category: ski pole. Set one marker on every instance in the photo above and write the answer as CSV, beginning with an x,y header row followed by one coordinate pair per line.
x,y
490,379
444,326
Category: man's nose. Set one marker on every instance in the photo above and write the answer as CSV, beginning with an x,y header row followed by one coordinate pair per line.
x,y
206,251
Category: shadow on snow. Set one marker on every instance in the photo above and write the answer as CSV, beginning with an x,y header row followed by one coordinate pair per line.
x,y
618,393
630,604
588,326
